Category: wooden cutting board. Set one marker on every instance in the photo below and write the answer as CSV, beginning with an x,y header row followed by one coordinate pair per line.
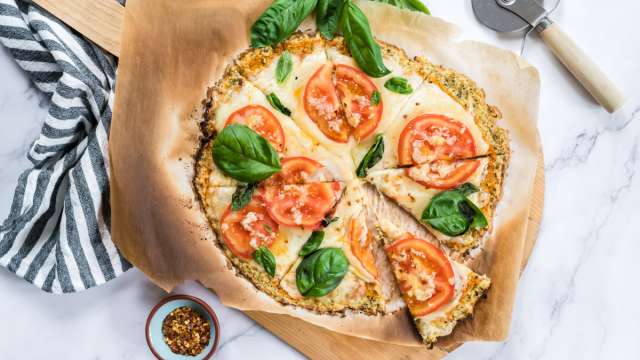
x,y
101,21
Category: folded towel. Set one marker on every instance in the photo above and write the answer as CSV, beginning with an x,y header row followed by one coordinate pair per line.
x,y
57,233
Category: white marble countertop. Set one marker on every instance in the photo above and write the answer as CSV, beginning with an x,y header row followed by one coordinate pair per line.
x,y
577,298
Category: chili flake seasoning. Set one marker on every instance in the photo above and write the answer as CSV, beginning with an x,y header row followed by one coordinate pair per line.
x,y
186,331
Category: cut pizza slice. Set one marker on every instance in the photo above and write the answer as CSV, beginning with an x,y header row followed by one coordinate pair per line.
x,y
236,101
439,122
371,104
348,235
306,90
281,218
439,292
414,189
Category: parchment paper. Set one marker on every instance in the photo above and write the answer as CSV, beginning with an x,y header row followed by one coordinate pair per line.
x,y
172,51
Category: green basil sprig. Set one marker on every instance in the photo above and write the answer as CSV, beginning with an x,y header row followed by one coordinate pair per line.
x,y
244,155
312,244
321,272
399,85
242,196
452,213
328,17
279,21
375,97
284,67
372,157
415,5
264,257
357,34
275,102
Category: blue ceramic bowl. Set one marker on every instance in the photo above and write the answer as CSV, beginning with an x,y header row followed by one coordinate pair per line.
x,y
153,329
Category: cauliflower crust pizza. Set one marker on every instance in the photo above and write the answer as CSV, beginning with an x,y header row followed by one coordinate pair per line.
x,y
294,136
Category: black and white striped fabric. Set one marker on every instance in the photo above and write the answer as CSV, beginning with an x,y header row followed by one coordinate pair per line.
x,y
57,233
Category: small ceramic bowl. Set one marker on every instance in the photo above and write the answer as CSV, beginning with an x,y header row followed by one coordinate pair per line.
x,y
157,315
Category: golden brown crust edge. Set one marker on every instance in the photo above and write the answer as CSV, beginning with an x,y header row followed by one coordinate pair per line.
x,y
474,290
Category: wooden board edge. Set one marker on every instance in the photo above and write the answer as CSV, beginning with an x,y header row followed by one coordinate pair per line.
x,y
101,21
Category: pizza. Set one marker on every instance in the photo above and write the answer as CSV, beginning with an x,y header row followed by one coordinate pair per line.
x,y
297,139
438,291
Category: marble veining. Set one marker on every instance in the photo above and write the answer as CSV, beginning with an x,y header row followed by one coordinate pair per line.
x,y
577,297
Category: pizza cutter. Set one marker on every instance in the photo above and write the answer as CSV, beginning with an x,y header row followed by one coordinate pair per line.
x,y
519,15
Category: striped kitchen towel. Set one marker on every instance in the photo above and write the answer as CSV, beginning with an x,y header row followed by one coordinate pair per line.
x,y
57,233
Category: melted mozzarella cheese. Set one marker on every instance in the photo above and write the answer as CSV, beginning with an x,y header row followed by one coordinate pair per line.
x,y
460,278
392,102
297,143
352,289
286,247
287,243
217,201
415,197
427,99
351,207
291,94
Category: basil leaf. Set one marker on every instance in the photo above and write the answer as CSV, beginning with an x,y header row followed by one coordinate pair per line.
x,y
279,21
242,196
372,157
328,17
357,34
321,272
264,257
284,67
312,244
328,220
415,5
467,189
244,155
478,221
452,213
399,85
275,102
375,97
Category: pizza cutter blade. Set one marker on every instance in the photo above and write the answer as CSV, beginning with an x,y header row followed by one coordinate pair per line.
x,y
498,18
518,15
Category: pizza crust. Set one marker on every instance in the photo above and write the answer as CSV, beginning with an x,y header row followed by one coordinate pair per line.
x,y
212,186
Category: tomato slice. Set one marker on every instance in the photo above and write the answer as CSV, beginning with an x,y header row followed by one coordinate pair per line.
x,y
434,137
355,90
296,170
323,106
424,273
362,246
262,121
443,174
247,229
301,205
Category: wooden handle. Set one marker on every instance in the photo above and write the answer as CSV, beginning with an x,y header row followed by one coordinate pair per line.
x,y
99,20
580,65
